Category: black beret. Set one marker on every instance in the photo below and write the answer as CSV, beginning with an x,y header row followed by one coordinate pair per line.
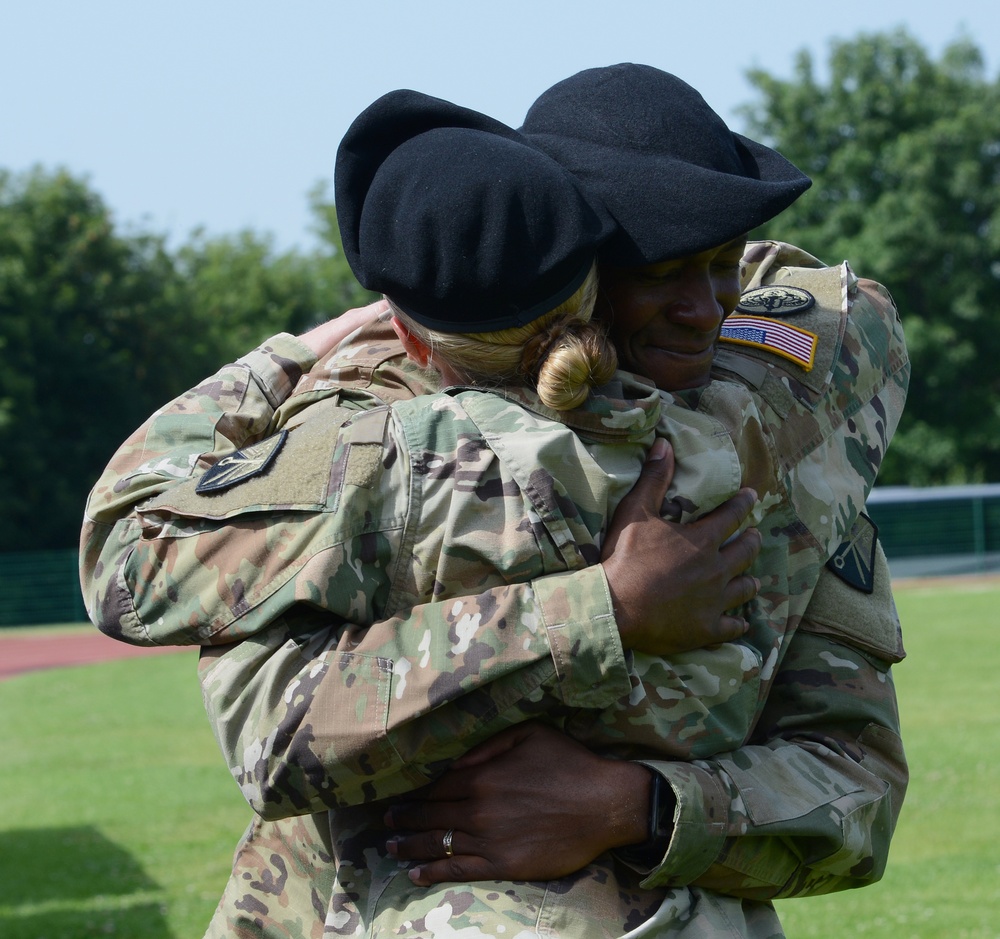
x,y
676,179
457,219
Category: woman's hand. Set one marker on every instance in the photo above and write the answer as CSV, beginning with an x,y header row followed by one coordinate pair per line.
x,y
528,804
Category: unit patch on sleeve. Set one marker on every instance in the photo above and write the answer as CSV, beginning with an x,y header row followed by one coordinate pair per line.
x,y
854,561
762,332
241,465
776,300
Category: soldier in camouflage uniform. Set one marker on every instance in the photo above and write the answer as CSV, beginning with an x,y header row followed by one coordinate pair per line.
x,y
861,360
638,136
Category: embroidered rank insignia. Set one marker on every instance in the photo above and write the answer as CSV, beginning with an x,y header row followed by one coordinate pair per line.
x,y
242,465
790,342
854,561
776,300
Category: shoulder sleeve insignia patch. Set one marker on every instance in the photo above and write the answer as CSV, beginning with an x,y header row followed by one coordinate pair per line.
x,y
854,561
775,336
241,465
776,300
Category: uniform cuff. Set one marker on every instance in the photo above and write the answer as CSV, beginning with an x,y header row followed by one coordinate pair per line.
x,y
579,621
700,824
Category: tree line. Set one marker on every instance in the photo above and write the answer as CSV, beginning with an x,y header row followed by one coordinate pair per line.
x,y
99,327
904,152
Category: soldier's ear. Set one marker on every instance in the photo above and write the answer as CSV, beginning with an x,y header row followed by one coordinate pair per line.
x,y
415,347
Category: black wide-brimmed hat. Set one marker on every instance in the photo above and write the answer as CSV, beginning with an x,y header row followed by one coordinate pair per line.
x,y
457,219
676,179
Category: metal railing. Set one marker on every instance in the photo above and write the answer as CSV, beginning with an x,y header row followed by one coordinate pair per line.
x,y
940,530
40,587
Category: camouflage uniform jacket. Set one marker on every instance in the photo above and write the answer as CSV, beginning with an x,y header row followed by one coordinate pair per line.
x,y
695,714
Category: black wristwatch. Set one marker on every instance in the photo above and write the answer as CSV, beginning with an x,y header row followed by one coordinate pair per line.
x,y
649,853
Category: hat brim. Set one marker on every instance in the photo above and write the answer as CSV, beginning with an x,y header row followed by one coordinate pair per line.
x,y
675,178
669,208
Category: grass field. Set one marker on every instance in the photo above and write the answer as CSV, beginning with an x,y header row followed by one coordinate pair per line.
x,y
943,878
119,817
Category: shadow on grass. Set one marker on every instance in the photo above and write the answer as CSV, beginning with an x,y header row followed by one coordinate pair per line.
x,y
73,883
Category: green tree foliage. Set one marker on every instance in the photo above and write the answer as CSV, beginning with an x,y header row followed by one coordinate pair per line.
x,y
904,153
78,366
98,329
241,291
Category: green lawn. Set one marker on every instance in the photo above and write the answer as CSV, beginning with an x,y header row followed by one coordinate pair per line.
x,y
119,817
943,878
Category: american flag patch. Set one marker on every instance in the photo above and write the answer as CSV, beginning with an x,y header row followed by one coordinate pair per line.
x,y
776,336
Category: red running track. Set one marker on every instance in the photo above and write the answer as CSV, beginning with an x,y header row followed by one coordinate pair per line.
x,y
38,651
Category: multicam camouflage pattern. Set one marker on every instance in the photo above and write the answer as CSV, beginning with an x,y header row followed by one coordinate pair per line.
x,y
286,874
267,695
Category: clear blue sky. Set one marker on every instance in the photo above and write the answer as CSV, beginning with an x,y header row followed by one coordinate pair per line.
x,y
224,113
